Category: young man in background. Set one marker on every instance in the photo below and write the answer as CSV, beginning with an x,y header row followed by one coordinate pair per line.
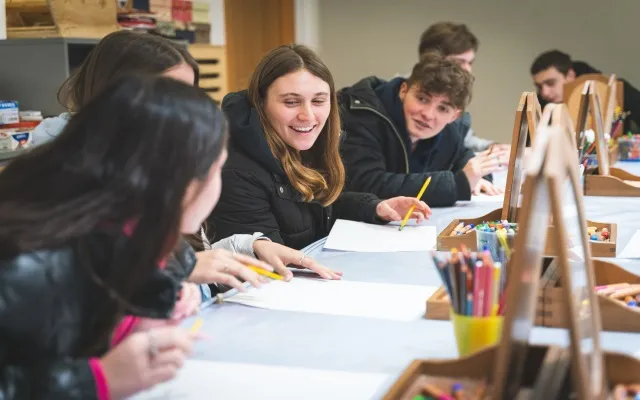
x,y
552,69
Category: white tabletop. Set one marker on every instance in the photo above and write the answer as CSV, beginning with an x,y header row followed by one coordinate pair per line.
x,y
241,334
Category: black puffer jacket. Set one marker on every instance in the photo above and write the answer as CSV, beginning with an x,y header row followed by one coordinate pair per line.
x,y
257,196
47,302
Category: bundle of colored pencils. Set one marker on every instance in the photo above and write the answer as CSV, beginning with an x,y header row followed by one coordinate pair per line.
x,y
475,283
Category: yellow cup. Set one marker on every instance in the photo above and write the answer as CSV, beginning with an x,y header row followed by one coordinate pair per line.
x,y
476,333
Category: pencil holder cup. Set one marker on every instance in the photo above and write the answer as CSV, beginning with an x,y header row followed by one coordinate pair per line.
x,y
475,333
493,244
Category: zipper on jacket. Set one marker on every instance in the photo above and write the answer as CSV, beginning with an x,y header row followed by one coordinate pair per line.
x,y
404,148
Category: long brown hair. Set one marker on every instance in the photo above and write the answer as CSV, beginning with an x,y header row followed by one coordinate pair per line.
x,y
321,177
122,53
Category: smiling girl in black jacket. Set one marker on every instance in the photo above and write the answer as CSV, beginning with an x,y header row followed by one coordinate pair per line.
x,y
284,176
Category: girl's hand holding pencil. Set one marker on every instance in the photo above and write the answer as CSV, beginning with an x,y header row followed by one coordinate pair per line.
x,y
280,257
225,267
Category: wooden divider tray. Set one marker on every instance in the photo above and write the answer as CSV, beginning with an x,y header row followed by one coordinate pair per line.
x,y
439,305
446,242
550,310
615,316
476,369
618,183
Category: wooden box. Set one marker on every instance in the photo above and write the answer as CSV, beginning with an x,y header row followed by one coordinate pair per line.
x,y
439,307
615,316
60,18
446,242
475,370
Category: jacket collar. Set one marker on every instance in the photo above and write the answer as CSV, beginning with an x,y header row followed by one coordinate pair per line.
x,y
363,94
246,132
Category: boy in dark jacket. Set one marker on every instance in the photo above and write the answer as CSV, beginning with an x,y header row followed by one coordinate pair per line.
x,y
552,69
400,132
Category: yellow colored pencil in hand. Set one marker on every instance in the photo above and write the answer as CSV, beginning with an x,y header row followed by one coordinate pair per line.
x,y
196,325
406,217
264,272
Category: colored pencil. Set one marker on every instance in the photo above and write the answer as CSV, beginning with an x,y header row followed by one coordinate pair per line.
x,y
197,325
419,196
473,281
264,272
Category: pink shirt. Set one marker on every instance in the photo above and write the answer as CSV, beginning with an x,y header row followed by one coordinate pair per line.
x,y
124,328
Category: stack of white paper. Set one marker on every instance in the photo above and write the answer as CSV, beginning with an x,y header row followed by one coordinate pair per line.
x,y
204,380
483,198
359,299
362,237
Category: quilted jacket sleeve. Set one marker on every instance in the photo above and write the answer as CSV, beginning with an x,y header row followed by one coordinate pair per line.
x,y
26,289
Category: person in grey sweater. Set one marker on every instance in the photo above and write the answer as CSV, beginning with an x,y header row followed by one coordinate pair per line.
x,y
456,42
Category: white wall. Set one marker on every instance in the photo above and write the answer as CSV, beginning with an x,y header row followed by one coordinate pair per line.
x,y
307,23
216,19
362,37
3,20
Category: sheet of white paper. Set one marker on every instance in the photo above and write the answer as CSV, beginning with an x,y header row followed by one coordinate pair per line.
x,y
359,299
632,249
361,237
483,198
204,380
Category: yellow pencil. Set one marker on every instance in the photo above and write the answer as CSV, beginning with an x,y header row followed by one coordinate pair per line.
x,y
406,217
196,325
266,273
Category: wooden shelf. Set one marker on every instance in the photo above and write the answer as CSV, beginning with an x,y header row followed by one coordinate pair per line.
x,y
212,62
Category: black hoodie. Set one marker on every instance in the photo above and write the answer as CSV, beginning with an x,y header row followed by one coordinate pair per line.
x,y
631,95
256,193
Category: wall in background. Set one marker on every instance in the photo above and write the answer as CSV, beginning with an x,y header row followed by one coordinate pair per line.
x,y
216,19
364,37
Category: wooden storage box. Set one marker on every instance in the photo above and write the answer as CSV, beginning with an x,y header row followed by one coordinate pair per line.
x,y
476,369
60,18
446,242
439,307
615,316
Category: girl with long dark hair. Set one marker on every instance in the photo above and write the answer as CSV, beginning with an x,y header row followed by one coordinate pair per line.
x,y
87,222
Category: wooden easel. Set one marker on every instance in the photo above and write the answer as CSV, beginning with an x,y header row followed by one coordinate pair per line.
x,y
554,163
572,93
609,181
528,115
553,114
514,366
